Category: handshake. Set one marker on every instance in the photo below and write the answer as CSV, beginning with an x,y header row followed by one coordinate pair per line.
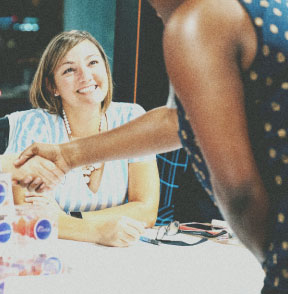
x,y
40,167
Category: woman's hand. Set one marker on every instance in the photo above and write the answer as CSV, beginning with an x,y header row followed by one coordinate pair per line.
x,y
120,231
47,200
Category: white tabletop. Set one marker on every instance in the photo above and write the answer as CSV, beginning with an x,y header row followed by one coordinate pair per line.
x,y
145,268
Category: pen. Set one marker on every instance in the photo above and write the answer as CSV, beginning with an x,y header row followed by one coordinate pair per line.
x,y
149,240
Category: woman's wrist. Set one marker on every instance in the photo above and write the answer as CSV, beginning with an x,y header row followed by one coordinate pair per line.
x,y
68,152
77,229
92,228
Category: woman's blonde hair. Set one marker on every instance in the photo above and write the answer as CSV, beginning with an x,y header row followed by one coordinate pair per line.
x,y
43,84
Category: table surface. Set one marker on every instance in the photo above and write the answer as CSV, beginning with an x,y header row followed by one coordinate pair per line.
x,y
207,268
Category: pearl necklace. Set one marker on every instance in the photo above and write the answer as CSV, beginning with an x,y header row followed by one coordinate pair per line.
x,y
88,169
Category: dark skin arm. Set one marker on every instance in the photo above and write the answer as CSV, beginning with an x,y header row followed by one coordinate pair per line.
x,y
153,132
205,71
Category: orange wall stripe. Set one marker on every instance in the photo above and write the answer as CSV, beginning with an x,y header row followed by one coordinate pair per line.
x,y
137,50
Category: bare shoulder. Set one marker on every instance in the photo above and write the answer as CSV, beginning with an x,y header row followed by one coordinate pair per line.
x,y
218,24
208,17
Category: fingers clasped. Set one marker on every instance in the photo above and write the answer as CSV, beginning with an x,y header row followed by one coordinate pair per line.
x,y
39,174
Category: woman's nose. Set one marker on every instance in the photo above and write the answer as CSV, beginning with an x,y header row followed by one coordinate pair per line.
x,y
85,74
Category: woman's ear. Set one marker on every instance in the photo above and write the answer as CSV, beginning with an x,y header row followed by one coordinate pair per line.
x,y
51,89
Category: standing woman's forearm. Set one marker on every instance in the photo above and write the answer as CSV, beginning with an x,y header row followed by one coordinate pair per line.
x,y
246,208
153,132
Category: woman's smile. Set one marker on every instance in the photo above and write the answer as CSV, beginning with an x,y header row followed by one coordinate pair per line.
x,y
88,89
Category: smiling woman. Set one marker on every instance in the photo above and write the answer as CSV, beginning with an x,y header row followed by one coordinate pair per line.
x,y
83,73
72,93
64,62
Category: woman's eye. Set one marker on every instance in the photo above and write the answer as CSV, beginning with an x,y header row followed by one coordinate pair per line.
x,y
68,70
93,62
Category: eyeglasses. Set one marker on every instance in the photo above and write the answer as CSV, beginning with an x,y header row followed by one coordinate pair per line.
x,y
172,229
194,228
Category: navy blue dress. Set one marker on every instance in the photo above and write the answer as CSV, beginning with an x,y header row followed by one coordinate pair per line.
x,y
266,98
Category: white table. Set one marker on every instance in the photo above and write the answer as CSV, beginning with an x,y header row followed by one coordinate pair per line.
x,y
145,268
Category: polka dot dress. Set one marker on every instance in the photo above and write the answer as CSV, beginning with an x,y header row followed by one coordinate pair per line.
x,y
266,98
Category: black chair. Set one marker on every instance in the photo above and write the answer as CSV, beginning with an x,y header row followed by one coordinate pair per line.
x,y
4,134
181,196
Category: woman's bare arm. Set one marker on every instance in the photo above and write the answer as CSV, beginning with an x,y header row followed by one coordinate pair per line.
x,y
121,225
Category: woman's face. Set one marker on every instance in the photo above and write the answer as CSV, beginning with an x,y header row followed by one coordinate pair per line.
x,y
81,76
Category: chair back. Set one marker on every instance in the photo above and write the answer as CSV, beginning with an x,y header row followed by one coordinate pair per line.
x,y
4,134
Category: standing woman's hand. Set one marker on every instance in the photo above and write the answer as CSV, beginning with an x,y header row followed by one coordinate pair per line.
x,y
51,152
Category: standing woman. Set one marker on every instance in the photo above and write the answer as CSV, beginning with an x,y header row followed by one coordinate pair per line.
x,y
228,62
72,93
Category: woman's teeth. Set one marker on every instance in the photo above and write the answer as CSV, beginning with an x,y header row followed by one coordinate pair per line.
x,y
88,89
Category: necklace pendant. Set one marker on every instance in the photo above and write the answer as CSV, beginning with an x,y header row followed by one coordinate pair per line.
x,y
86,179
86,172
91,168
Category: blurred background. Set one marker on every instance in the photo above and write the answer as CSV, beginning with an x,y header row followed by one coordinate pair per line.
x,y
129,31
